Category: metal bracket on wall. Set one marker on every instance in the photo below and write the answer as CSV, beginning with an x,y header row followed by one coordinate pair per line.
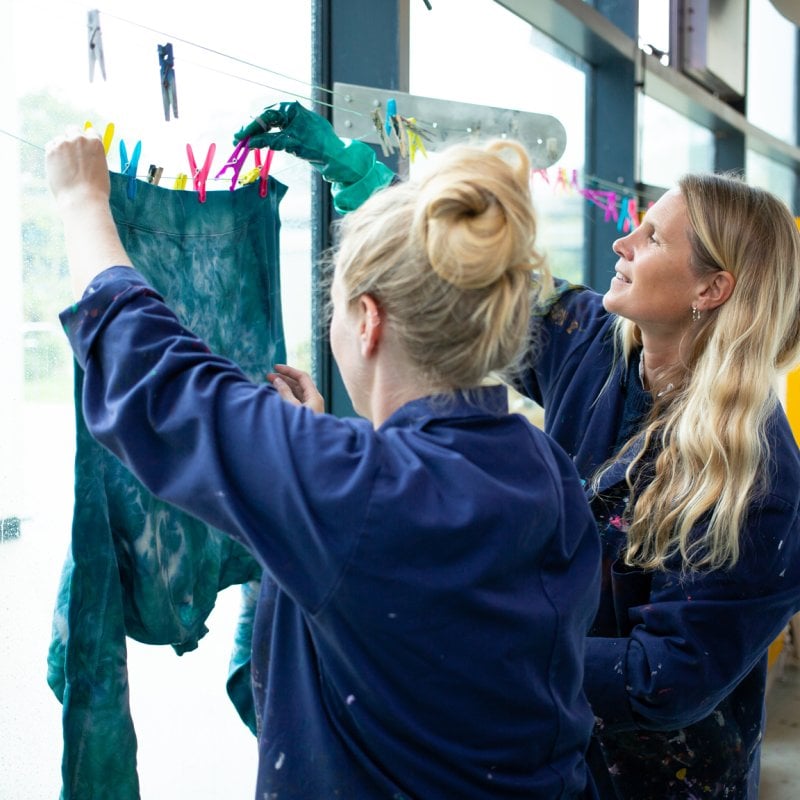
x,y
445,122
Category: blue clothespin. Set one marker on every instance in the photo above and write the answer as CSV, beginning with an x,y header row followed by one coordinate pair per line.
x,y
129,167
236,161
95,44
169,93
391,111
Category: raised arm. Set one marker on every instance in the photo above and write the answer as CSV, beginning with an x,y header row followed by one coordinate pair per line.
x,y
78,175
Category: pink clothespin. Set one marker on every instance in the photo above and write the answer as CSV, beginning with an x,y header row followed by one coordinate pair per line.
x,y
629,215
263,174
200,176
236,161
542,173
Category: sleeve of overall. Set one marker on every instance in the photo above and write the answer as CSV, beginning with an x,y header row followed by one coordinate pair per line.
x,y
561,328
698,637
292,485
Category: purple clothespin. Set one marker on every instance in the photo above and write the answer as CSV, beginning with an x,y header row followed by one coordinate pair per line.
x,y
236,161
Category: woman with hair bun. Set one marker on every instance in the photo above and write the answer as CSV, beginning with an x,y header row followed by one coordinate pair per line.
x,y
434,566
663,392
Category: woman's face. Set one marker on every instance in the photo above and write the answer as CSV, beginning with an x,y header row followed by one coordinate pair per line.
x,y
654,285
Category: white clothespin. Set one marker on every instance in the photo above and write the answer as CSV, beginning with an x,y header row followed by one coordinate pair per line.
x,y
95,44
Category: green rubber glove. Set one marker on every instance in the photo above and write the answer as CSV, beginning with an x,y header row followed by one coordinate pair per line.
x,y
349,166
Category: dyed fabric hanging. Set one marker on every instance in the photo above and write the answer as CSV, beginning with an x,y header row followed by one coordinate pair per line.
x,y
137,566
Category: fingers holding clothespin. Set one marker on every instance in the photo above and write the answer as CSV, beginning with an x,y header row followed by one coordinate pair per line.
x,y
95,44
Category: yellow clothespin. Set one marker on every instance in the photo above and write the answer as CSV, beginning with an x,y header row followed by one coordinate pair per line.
x,y
415,142
108,134
250,176
180,180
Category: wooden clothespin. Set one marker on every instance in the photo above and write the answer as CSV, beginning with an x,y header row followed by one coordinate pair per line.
x,y
380,127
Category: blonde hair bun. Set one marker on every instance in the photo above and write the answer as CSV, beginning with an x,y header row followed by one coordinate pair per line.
x,y
473,214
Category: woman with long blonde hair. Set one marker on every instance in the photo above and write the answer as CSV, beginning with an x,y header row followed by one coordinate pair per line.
x,y
663,391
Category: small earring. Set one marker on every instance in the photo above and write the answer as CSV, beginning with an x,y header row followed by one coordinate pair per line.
x,y
695,313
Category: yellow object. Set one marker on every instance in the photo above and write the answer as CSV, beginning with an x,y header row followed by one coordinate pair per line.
x,y
415,143
793,402
249,176
774,651
108,134
180,180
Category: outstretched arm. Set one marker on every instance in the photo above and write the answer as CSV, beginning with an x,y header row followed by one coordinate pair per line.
x,y
78,176
351,167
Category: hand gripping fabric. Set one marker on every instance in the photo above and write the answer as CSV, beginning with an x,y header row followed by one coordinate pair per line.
x,y
350,166
137,566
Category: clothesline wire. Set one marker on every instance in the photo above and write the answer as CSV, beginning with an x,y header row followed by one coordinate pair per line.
x,y
223,179
620,190
245,62
314,87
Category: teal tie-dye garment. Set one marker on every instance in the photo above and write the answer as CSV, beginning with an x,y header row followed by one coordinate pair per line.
x,y
137,566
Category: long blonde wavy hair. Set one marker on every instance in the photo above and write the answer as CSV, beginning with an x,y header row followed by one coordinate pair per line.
x,y
708,433
450,258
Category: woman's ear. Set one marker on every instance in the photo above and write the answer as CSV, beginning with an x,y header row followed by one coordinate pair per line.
x,y
370,330
717,290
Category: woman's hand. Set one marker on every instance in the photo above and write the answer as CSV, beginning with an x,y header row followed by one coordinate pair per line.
x,y
297,387
78,176
76,168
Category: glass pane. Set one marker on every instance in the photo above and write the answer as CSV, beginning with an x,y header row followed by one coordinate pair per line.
x,y
191,741
670,144
771,67
545,79
654,28
768,174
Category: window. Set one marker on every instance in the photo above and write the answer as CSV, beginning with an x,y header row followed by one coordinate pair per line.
x,y
670,144
771,70
544,79
771,175
191,741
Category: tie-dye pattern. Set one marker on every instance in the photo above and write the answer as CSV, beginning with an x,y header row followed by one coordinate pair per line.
x,y
137,566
